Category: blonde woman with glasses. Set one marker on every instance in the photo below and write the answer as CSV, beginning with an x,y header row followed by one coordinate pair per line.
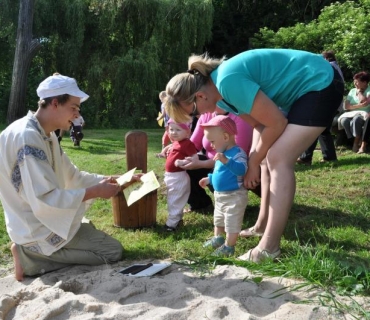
x,y
288,96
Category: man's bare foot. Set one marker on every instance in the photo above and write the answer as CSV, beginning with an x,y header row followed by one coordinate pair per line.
x,y
17,264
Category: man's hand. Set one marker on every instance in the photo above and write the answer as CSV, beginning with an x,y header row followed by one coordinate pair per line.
x,y
108,187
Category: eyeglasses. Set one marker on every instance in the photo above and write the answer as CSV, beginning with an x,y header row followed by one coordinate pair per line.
x,y
195,111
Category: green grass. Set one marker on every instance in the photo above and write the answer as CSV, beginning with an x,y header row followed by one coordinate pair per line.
x,y
326,242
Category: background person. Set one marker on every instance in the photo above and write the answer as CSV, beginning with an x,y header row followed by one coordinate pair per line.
x,y
76,130
231,197
44,195
253,84
357,107
59,133
365,136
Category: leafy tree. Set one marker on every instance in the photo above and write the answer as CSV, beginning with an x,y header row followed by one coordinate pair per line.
x,y
342,27
121,51
235,22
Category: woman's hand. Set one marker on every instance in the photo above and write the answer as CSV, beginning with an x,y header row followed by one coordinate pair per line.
x,y
193,163
253,176
180,163
360,105
265,117
363,104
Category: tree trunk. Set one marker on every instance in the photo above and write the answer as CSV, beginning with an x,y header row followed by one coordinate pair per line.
x,y
26,49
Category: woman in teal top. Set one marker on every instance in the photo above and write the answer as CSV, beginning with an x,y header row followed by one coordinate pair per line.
x,y
288,96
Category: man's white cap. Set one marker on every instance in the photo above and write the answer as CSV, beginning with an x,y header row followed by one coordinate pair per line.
x,y
58,85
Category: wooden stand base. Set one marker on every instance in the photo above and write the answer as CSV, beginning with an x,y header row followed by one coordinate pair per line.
x,y
142,213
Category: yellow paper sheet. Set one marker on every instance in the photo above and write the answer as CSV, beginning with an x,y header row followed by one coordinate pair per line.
x,y
138,189
126,177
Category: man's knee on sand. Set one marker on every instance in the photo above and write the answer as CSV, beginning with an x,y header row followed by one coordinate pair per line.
x,y
28,264
97,241
116,252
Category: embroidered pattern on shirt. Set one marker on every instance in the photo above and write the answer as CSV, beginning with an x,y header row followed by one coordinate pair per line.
x,y
32,246
22,153
54,240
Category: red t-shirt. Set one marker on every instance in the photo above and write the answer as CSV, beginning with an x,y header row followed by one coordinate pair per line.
x,y
180,150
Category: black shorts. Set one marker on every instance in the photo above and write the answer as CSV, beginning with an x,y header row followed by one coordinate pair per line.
x,y
318,108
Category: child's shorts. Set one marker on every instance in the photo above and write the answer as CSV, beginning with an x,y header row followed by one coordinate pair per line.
x,y
229,209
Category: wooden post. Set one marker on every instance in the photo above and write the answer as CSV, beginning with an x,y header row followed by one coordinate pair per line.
x,y
142,213
136,150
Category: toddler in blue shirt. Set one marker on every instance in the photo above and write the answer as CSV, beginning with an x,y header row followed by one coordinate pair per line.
x,y
230,195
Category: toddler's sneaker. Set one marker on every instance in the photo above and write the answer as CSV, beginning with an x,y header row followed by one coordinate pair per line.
x,y
224,251
215,242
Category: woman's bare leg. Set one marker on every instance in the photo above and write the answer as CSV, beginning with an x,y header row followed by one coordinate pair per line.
x,y
260,225
356,144
263,214
363,147
280,162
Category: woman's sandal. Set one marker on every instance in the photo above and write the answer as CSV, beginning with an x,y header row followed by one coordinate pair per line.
x,y
264,254
248,233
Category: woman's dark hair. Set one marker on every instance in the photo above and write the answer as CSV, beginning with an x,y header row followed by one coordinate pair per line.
x,y
362,76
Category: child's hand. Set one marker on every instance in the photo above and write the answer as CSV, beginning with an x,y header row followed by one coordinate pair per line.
x,y
204,182
220,156
160,155
166,150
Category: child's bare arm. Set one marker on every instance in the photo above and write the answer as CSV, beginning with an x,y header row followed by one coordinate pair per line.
x,y
204,182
